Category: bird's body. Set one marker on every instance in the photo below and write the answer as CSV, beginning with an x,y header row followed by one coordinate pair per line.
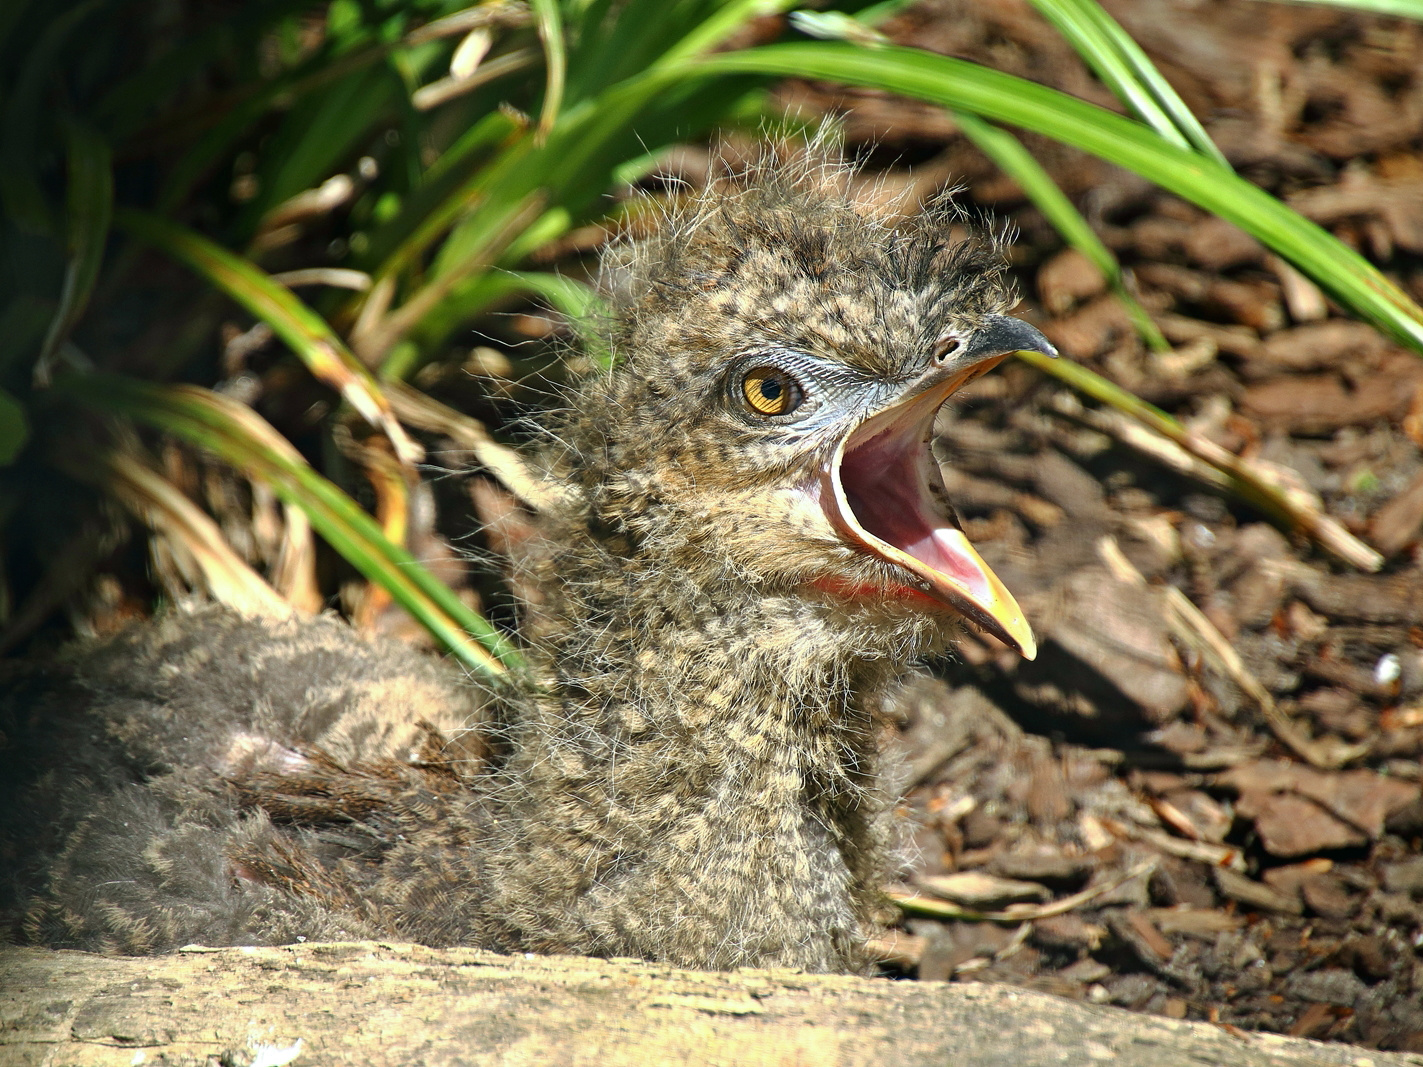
x,y
748,554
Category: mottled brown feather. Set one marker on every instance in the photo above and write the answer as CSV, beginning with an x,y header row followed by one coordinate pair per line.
x,y
688,770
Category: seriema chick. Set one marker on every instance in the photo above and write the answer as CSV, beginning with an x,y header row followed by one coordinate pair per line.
x,y
752,549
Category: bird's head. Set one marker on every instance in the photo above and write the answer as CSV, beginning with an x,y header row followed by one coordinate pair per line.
x,y
781,358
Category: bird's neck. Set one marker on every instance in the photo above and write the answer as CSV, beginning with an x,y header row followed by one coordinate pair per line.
x,y
706,751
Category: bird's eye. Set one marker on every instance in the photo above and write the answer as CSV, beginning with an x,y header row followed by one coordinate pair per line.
x,y
771,391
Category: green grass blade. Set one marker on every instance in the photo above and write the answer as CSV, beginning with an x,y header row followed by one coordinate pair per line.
x,y
1156,84
1408,9
304,331
14,428
1236,475
712,31
317,134
485,215
550,26
433,209
960,85
1015,160
1126,70
241,437
91,208
227,120
438,218
568,296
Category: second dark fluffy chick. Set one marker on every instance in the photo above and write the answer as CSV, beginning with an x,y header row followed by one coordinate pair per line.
x,y
749,552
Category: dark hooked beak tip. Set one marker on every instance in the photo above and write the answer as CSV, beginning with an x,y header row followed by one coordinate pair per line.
x,y
1000,335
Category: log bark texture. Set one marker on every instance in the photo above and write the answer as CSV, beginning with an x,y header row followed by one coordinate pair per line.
x,y
405,1005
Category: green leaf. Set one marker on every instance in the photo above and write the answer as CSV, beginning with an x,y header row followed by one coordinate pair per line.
x,y
241,437
1015,160
1125,69
318,134
550,24
226,121
1408,9
425,219
954,83
14,428
91,209
304,331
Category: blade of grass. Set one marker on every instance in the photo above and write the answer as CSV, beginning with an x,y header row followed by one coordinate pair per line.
x,y
225,120
1015,160
14,428
304,331
1408,9
91,206
165,509
722,23
426,221
314,136
453,186
1126,70
564,157
614,42
550,26
1241,478
387,478
578,303
477,295
393,327
1335,267
241,437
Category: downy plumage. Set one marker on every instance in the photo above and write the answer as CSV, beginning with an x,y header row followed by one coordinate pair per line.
x,y
750,551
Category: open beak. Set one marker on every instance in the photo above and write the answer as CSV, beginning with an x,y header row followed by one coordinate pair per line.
x,y
882,489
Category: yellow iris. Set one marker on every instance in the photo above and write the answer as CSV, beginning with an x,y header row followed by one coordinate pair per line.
x,y
770,391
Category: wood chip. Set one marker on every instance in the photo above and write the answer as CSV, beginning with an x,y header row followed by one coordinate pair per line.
x,y
1399,522
1191,626
1360,801
1255,894
1203,923
976,889
1016,913
1067,279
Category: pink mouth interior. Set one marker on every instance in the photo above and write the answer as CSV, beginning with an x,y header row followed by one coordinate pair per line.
x,y
881,480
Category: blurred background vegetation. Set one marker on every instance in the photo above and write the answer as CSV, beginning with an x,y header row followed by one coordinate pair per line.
x,y
268,269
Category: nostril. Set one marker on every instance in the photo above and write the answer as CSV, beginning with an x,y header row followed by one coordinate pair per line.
x,y
946,347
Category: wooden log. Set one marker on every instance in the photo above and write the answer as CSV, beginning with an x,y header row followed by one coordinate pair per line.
x,y
402,1005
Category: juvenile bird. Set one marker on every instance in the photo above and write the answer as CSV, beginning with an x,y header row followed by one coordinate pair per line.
x,y
750,550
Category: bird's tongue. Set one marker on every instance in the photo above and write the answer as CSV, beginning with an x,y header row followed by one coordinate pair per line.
x,y
885,494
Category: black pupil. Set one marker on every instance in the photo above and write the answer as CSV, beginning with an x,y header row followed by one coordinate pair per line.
x,y
770,389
